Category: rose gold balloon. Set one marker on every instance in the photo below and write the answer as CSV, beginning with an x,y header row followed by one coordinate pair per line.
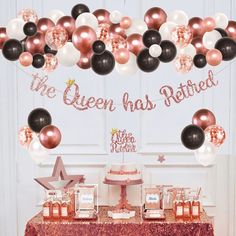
x,y
50,136
35,44
26,59
28,15
121,55
51,62
203,118
44,24
118,42
125,22
197,43
115,29
83,38
209,24
103,32
25,136
3,36
231,29
85,60
182,36
215,134
103,16
56,37
135,43
68,23
183,63
196,26
155,17
214,57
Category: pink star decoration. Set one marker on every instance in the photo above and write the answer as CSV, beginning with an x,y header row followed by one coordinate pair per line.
x,y
161,158
59,174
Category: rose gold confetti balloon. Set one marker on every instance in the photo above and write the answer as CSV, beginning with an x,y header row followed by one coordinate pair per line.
x,y
28,15
203,118
231,29
103,32
56,37
115,29
118,42
35,44
135,43
68,23
26,59
182,36
125,22
215,134
209,24
155,17
183,63
3,36
85,60
51,62
103,16
50,136
44,24
197,43
196,26
121,55
25,136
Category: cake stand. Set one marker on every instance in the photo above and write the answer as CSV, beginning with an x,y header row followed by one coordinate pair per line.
x,y
123,208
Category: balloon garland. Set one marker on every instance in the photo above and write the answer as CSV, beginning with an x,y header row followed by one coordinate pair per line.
x,y
106,40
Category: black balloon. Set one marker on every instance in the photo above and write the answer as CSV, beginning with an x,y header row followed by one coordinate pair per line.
x,y
39,118
30,28
227,47
199,61
38,61
151,37
79,9
12,49
192,137
169,51
222,32
47,49
99,47
104,63
146,62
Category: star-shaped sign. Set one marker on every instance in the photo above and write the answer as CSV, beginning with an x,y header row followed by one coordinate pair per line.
x,y
59,178
161,158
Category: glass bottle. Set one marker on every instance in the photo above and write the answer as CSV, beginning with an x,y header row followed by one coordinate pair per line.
x,y
56,208
179,207
196,208
47,209
65,207
187,208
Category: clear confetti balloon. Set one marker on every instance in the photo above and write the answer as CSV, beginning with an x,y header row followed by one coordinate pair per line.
x,y
182,36
51,62
118,42
183,63
103,32
56,37
215,134
28,15
25,136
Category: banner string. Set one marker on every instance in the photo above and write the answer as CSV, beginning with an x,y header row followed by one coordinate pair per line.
x,y
116,104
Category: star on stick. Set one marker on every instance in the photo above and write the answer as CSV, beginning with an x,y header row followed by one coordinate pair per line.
x,y
113,131
59,174
161,158
70,82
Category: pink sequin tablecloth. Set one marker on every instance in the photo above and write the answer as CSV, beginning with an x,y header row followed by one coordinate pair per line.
x,y
105,226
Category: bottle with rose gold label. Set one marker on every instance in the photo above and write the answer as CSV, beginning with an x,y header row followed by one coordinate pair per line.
x,y
179,207
196,208
47,207
56,209
65,207
187,209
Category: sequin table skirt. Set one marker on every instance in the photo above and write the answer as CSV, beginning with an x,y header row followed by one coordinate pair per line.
x,y
105,226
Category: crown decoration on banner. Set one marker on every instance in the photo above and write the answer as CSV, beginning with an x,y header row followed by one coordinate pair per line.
x,y
106,40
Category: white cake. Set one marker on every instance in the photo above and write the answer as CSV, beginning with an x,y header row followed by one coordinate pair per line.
x,y
123,172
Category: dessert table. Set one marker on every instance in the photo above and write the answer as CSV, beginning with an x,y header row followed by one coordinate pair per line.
x,y
105,226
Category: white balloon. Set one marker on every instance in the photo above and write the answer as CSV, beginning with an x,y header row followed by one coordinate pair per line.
x,y
155,50
37,152
138,26
68,55
115,17
206,154
87,19
189,50
128,68
210,38
221,20
14,29
178,17
166,30
55,15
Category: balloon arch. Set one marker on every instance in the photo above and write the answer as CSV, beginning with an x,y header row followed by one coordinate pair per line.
x,y
106,40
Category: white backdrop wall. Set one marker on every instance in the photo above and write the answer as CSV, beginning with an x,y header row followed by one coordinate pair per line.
x,y
86,135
